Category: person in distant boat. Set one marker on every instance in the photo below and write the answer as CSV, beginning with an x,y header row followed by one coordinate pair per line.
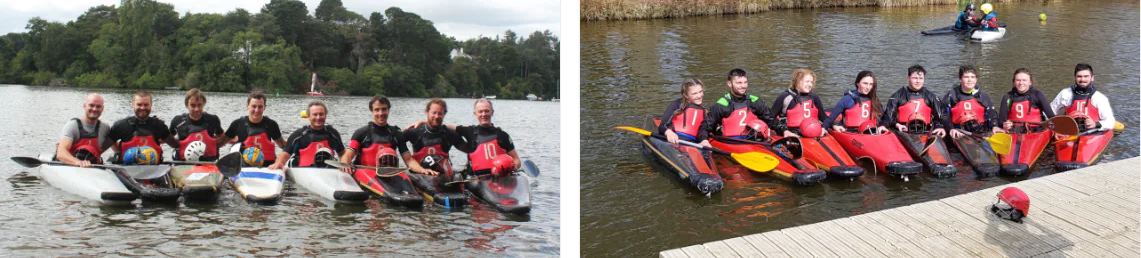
x,y
255,129
734,112
990,21
377,139
967,19
857,106
914,103
195,126
970,108
1023,103
140,130
684,118
84,139
312,144
797,107
1084,103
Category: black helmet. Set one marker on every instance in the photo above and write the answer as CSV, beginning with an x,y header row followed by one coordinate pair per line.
x,y
970,7
437,163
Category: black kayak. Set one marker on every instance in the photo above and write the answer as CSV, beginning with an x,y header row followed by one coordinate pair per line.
x,y
395,189
508,194
937,158
944,31
978,153
434,190
690,164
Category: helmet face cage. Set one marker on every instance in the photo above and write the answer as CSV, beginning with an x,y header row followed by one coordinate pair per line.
x,y
387,161
1003,210
84,154
322,155
916,125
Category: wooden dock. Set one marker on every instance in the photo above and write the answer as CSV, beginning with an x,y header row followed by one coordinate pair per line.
x,y
1089,212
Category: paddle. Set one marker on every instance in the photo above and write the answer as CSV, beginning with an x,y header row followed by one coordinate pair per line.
x,y
388,170
1117,126
132,185
230,164
528,168
755,161
789,145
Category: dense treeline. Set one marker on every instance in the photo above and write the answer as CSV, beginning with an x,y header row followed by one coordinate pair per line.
x,y
144,44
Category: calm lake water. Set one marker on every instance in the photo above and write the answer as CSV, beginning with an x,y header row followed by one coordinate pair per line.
x,y
631,69
41,220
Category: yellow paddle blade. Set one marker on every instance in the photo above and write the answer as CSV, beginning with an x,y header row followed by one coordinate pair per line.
x,y
633,129
756,161
1000,142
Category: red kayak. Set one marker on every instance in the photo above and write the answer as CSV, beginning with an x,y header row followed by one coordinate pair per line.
x,y
825,153
799,171
884,150
1024,151
937,158
1083,151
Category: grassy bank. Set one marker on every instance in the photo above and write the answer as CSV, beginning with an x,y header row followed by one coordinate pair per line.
x,y
597,10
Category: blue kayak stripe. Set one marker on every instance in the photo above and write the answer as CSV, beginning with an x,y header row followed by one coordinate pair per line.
x,y
263,175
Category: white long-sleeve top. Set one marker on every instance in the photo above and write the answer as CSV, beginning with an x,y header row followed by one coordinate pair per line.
x,y
1098,100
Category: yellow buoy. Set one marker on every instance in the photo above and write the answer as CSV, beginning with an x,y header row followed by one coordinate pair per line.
x,y
304,114
1042,16
1118,126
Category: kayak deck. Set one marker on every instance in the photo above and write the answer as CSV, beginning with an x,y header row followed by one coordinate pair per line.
x,y
1083,151
798,171
259,185
688,163
884,150
395,189
937,158
1025,148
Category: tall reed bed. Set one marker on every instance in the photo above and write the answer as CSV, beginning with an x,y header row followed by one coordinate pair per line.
x,y
595,10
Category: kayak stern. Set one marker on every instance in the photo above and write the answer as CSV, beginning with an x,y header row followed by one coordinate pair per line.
x,y
809,177
1015,169
846,172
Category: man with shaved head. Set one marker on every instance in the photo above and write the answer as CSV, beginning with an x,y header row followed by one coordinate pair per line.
x,y
84,139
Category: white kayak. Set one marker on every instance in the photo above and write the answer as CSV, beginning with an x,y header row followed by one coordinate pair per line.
x,y
259,185
91,183
984,36
329,183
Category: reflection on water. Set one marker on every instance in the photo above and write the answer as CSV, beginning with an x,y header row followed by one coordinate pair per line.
x,y
631,69
42,220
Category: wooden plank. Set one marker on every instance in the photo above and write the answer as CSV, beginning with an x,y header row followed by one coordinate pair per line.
x,y
781,241
1067,211
1089,201
745,249
672,253
720,249
1015,240
814,247
928,244
868,237
968,231
898,242
817,232
1103,222
834,228
696,251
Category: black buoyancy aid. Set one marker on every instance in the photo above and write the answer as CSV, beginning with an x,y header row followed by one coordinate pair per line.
x,y
257,137
197,133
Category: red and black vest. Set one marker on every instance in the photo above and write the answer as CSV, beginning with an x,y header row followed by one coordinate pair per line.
x,y
968,108
198,133
486,149
1023,110
688,122
915,107
859,113
1080,105
801,109
317,141
372,145
256,136
733,125
87,141
142,137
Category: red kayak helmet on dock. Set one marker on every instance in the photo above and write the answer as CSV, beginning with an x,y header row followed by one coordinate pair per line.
x,y
1012,204
811,128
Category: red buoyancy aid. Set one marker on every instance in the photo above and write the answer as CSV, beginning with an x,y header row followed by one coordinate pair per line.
x,y
1081,106
87,140
142,137
914,107
375,144
309,153
257,137
796,115
1024,111
689,120
859,113
485,152
968,109
198,133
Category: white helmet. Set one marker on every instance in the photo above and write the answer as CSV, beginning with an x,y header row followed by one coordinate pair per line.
x,y
323,154
194,151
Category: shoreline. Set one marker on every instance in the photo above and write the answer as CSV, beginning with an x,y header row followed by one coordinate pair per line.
x,y
619,10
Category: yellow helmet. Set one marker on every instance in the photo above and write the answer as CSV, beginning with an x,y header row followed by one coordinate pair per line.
x,y
986,8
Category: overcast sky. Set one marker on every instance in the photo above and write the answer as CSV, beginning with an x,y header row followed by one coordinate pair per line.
x,y
461,19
